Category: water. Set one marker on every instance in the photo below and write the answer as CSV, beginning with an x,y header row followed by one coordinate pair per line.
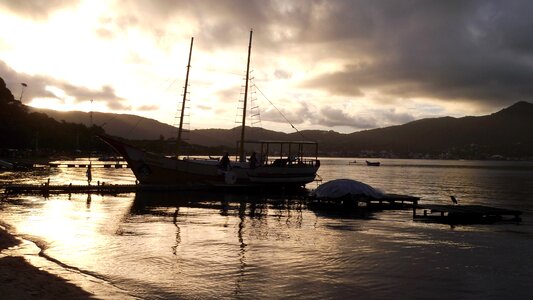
x,y
207,245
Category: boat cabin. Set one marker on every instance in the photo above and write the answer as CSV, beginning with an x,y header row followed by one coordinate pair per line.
x,y
282,153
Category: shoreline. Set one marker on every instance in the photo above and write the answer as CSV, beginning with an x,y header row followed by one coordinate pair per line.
x,y
21,280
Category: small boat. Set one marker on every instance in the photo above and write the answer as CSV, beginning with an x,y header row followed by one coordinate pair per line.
x,y
373,163
353,162
340,188
276,163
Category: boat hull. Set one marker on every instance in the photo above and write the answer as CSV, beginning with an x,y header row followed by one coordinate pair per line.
x,y
151,168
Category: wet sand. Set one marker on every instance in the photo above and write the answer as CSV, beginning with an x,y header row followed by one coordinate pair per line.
x,y
21,280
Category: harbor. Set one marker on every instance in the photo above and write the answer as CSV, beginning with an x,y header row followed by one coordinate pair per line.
x,y
422,209
173,235
266,150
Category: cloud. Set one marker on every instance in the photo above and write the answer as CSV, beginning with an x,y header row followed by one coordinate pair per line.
x,y
38,88
341,117
112,25
105,33
327,116
229,95
392,117
147,108
331,117
470,51
447,53
297,115
203,107
473,51
282,74
37,9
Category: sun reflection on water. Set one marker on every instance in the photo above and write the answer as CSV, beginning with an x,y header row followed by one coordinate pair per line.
x,y
209,245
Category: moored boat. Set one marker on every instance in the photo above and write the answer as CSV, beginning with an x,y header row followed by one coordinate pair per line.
x,y
293,170
373,163
294,164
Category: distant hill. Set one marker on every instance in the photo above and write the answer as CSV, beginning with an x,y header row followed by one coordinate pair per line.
x,y
506,132
27,133
127,126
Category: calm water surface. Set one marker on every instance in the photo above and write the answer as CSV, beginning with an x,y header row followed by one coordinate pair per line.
x,y
207,245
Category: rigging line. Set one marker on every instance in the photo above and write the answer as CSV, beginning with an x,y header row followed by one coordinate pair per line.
x,y
279,111
171,84
108,120
135,126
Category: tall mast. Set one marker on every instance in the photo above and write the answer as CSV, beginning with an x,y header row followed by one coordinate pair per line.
x,y
180,129
242,158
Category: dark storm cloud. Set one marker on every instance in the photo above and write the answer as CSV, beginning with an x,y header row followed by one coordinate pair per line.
x,y
218,24
36,9
476,51
37,88
473,51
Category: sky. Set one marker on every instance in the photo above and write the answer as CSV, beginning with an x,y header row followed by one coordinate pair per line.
x,y
341,65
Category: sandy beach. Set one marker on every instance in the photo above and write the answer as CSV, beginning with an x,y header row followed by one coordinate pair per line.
x,y
21,280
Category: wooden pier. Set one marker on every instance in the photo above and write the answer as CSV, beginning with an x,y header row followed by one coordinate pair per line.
x,y
69,188
464,214
448,214
105,188
389,201
99,164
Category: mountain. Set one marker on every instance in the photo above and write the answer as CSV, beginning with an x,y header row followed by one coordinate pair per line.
x,y
127,126
135,127
506,132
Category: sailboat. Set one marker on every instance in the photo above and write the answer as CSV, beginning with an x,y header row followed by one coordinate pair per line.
x,y
273,163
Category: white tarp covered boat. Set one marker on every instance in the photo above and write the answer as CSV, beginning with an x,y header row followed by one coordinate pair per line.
x,y
339,188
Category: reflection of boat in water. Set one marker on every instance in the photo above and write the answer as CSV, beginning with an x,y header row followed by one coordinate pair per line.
x,y
294,165
255,205
373,163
